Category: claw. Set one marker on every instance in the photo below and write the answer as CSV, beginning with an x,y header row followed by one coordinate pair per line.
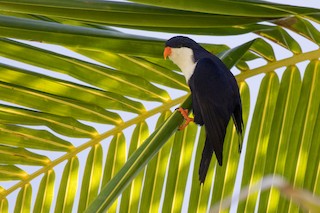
x,y
185,114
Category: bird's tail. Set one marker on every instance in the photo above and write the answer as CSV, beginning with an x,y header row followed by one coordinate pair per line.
x,y
205,161
237,119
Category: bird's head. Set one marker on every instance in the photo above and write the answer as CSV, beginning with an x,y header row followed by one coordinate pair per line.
x,y
181,51
179,46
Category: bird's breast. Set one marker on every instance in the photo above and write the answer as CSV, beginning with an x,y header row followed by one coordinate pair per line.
x,y
188,70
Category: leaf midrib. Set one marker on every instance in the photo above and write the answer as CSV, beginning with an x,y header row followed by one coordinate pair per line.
x,y
278,64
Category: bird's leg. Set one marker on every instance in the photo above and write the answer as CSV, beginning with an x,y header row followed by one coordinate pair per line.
x,y
185,114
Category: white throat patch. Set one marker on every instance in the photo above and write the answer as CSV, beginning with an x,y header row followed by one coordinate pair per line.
x,y
183,57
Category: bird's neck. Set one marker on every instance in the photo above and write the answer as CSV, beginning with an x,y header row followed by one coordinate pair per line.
x,y
188,69
184,59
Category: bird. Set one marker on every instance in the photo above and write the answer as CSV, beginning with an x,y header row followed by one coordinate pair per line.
x,y
214,92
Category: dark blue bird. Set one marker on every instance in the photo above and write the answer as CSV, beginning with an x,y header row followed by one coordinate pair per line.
x,y
215,95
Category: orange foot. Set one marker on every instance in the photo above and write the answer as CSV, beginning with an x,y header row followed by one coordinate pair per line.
x,y
185,114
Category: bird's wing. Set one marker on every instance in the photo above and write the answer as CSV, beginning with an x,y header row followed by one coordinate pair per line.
x,y
196,110
214,94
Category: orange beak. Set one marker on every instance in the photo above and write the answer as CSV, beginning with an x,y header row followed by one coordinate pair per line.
x,y
166,52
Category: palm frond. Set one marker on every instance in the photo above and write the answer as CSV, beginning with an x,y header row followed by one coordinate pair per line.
x,y
95,92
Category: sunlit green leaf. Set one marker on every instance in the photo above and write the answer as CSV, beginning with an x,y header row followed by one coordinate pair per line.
x,y
122,13
11,173
12,155
137,161
155,173
140,67
288,97
257,143
116,157
67,89
200,193
313,165
310,101
55,104
130,198
92,177
31,138
179,168
68,187
23,203
64,125
4,205
45,193
87,38
282,37
248,8
301,26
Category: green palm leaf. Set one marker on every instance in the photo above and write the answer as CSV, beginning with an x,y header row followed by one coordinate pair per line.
x,y
70,112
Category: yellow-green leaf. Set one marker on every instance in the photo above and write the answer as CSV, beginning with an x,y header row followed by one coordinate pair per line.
x,y
279,142
130,198
13,155
68,187
23,202
155,173
8,172
178,168
45,193
32,138
91,178
257,143
116,157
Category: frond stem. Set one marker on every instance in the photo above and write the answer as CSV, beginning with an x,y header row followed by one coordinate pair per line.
x,y
278,64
